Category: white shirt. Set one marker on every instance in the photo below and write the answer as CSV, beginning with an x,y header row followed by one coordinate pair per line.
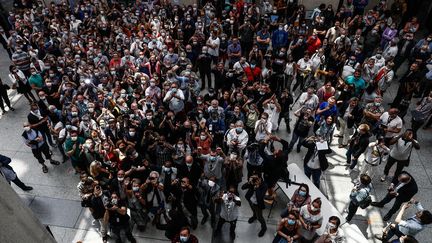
x,y
309,101
213,51
261,133
391,123
273,116
401,150
304,64
242,138
289,68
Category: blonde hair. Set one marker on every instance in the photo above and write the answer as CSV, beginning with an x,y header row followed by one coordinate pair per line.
x,y
94,170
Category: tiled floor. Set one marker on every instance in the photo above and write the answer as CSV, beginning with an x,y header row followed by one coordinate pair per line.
x,y
55,200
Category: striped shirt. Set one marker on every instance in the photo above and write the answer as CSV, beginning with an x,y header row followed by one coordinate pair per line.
x,y
21,60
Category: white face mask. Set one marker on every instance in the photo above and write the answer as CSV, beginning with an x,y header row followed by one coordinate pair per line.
x,y
27,129
211,183
203,137
120,179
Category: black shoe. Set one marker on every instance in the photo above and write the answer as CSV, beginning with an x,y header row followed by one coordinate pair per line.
x,y
54,162
386,217
27,188
377,204
12,109
298,149
348,220
204,220
379,237
232,234
251,220
262,232
44,169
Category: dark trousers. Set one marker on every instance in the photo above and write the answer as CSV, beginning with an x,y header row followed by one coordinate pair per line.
x,y
415,126
116,233
206,209
299,82
203,75
352,209
397,204
315,173
392,232
399,166
253,169
221,221
4,99
19,183
257,213
294,139
285,116
352,162
44,149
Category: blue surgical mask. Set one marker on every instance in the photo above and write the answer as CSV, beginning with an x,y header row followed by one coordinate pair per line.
x,y
302,193
184,238
239,129
291,222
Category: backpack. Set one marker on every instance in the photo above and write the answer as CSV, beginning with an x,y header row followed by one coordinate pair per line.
x,y
365,202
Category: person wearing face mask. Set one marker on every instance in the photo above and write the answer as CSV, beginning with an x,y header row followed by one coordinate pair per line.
x,y
34,139
136,204
233,170
72,146
332,232
185,236
190,169
299,198
96,203
213,163
256,190
209,192
400,153
21,59
118,218
279,38
288,229
311,220
237,138
230,204
273,109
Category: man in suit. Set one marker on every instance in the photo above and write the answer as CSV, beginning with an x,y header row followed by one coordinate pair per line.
x,y
255,194
402,188
191,170
9,174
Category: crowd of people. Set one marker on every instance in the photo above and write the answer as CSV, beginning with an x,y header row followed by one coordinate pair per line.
x,y
159,107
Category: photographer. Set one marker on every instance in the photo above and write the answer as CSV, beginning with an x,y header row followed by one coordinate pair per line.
x,y
358,144
253,160
118,218
230,204
409,227
255,194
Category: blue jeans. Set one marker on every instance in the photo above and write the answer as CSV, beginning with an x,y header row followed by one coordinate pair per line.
x,y
315,173
294,139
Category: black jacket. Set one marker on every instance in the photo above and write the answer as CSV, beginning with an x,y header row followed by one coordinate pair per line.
x,y
193,174
357,113
260,193
359,143
310,145
407,191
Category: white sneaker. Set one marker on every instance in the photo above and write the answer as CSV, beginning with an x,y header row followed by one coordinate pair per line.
x,y
383,178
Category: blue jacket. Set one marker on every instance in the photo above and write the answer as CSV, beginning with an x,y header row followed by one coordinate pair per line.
x,y
279,38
